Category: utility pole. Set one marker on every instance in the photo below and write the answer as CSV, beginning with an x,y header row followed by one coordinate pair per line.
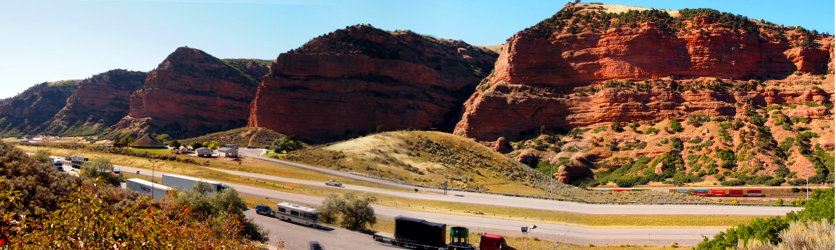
x,y
153,173
370,162
551,178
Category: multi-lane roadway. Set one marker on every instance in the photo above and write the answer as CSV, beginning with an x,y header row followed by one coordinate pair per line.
x,y
564,233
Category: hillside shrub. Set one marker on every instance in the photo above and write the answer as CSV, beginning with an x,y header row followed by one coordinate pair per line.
x,y
674,125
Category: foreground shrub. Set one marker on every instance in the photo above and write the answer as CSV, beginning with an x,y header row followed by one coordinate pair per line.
x,y
86,221
767,230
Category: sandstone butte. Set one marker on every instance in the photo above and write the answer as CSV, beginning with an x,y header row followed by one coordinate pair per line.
x,y
98,103
350,81
27,112
191,93
562,75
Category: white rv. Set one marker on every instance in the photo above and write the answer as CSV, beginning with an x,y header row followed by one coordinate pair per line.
x,y
147,188
296,213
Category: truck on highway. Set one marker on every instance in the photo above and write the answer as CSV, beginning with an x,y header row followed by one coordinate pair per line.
x,y
186,183
77,161
147,188
415,233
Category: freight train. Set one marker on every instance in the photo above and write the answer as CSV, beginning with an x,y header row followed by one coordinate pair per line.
x,y
702,192
420,234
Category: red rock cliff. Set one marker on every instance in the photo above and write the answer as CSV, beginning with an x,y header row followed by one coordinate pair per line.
x,y
25,113
583,67
350,81
191,93
98,103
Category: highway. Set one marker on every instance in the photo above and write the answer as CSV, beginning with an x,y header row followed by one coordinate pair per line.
x,y
517,202
571,234
574,234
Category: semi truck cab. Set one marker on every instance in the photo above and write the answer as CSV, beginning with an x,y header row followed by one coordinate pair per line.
x,y
493,242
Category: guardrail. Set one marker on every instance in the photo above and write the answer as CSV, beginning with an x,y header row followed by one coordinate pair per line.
x,y
574,200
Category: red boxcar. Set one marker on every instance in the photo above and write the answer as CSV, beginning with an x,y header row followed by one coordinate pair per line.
x,y
621,190
718,192
754,192
736,192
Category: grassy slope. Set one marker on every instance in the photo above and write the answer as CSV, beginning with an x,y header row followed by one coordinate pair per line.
x,y
430,158
243,137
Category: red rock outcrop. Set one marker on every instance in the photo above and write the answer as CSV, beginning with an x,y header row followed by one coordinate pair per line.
x,y
579,75
350,81
191,93
27,112
98,103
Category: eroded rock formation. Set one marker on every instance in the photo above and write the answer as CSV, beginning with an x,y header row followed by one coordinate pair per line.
x,y
351,81
191,93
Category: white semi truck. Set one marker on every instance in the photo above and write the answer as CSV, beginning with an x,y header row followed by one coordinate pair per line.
x,y
187,183
157,191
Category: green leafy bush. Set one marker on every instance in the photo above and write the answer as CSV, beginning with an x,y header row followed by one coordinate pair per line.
x,y
674,125
819,207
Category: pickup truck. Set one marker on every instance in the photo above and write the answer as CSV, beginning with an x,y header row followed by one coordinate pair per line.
x,y
333,183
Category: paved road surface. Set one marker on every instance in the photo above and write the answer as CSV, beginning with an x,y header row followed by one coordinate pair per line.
x,y
574,234
296,237
563,233
506,201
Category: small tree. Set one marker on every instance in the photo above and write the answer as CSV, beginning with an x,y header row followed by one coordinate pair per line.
x,y
175,144
42,156
205,144
196,145
213,145
616,126
101,168
287,144
674,126
633,125
331,207
358,211
380,129
117,138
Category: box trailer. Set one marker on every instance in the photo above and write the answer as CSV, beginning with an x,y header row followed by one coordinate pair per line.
x,y
420,234
754,193
147,188
700,192
736,193
718,192
186,183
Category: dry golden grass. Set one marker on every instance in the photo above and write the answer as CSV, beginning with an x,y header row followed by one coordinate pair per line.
x,y
428,158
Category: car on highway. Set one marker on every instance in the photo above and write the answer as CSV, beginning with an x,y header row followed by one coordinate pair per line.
x,y
313,245
264,210
333,183
58,164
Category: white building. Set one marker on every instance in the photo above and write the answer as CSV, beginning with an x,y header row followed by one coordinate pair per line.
x,y
228,152
203,152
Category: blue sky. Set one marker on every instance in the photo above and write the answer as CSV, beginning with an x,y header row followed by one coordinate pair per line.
x,y
67,39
